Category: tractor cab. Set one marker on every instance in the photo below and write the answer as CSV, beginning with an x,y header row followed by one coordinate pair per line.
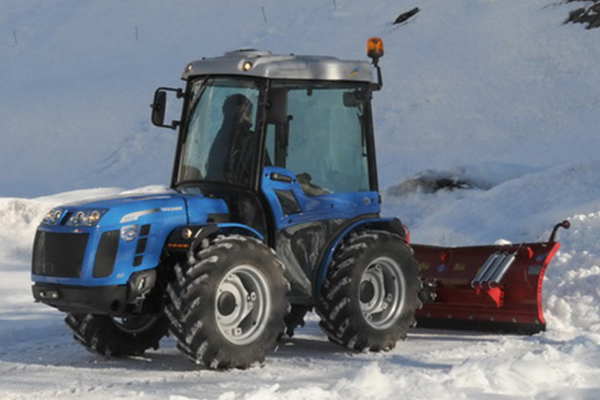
x,y
286,141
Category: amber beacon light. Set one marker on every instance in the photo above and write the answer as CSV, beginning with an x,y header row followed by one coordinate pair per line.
x,y
375,49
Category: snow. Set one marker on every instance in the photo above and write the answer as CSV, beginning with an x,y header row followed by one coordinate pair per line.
x,y
497,93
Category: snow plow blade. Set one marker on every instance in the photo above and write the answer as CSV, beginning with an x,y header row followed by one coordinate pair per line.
x,y
484,288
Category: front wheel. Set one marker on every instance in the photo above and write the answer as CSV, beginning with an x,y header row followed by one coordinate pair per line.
x,y
370,296
228,304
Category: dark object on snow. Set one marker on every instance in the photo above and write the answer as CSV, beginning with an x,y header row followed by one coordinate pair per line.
x,y
450,184
409,14
432,183
589,15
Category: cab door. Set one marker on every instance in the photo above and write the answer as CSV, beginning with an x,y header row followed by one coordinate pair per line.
x,y
317,176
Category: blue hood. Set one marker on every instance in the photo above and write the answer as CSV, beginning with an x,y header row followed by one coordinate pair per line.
x,y
171,209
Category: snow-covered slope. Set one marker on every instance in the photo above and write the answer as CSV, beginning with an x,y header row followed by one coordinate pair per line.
x,y
496,93
465,83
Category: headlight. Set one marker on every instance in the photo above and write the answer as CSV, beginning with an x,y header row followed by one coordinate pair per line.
x,y
53,216
86,217
129,233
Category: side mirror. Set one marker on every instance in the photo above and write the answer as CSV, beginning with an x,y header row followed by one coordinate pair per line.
x,y
159,107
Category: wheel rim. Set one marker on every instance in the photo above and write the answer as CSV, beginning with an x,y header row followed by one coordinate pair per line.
x,y
241,304
382,291
135,324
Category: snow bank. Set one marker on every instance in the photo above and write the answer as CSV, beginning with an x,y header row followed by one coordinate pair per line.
x,y
20,218
572,287
523,205
511,368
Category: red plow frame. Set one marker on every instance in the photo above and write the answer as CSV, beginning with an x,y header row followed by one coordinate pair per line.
x,y
486,288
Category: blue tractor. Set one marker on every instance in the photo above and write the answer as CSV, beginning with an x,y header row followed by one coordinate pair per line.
x,y
273,210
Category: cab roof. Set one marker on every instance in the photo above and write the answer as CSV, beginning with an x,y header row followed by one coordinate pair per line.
x,y
264,64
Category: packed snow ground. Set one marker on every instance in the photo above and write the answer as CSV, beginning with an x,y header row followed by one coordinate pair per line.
x,y
497,93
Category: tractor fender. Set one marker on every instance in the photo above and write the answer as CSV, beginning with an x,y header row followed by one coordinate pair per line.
x,y
393,225
189,238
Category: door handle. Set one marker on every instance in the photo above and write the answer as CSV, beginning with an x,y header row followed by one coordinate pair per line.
x,y
281,178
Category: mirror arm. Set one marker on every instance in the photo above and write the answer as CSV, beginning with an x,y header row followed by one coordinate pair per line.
x,y
179,94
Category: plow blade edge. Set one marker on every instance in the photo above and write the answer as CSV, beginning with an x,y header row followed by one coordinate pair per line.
x,y
486,288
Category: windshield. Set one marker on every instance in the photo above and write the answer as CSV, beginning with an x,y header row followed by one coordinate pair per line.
x,y
220,142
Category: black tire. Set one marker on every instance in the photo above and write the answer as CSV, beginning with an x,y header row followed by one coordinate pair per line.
x,y
228,303
108,336
370,295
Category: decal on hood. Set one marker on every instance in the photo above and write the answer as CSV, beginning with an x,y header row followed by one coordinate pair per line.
x,y
134,216
171,209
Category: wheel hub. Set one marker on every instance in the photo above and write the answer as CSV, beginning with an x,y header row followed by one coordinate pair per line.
x,y
367,291
241,304
382,292
226,303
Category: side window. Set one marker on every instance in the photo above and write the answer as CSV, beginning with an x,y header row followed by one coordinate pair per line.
x,y
323,139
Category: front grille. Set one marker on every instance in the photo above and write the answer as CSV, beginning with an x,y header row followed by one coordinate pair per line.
x,y
106,254
58,254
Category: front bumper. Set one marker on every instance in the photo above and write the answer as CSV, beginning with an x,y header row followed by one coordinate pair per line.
x,y
112,300
81,299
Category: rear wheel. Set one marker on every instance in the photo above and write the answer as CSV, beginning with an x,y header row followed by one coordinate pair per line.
x,y
228,303
111,336
370,296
